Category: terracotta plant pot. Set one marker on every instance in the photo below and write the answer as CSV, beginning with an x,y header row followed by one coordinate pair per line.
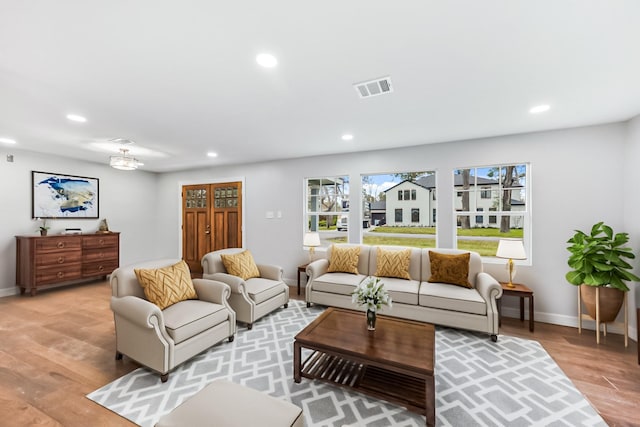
x,y
610,302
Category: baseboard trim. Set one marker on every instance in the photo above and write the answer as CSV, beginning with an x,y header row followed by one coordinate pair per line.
x,y
9,292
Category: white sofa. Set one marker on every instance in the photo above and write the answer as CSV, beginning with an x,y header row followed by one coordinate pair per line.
x,y
415,299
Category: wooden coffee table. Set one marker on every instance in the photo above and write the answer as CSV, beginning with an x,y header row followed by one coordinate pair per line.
x,y
394,362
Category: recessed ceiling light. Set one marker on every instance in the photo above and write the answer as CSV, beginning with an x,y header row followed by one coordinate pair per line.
x,y
347,137
266,60
212,154
539,109
76,118
7,140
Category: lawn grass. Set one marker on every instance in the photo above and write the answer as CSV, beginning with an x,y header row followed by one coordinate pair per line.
x,y
484,232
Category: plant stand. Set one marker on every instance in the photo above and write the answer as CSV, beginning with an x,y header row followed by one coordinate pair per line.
x,y
597,319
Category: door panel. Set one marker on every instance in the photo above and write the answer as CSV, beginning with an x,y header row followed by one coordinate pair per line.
x,y
211,220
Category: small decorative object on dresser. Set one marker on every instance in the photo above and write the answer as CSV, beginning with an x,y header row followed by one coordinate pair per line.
x,y
104,227
371,293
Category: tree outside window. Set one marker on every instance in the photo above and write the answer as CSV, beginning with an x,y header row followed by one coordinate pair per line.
x,y
327,200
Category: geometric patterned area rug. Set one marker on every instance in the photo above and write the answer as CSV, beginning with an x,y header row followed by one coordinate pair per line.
x,y
513,382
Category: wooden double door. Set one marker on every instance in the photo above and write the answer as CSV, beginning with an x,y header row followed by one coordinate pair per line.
x,y
211,220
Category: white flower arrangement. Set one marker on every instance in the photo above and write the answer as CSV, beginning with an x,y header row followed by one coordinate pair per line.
x,y
372,294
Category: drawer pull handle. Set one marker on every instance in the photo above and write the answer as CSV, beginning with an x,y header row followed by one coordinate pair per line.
x,y
101,268
101,242
60,260
101,254
60,274
60,245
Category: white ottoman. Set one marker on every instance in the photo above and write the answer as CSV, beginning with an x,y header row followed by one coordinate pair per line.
x,y
223,403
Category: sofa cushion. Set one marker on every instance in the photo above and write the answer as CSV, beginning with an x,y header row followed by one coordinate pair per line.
x,y
393,263
344,259
260,290
452,298
241,265
448,268
402,290
186,319
338,283
168,285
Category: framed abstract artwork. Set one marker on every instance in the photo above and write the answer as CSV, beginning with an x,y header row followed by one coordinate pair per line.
x,y
59,196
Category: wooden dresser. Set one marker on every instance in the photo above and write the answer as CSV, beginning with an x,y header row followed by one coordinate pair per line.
x,y
45,261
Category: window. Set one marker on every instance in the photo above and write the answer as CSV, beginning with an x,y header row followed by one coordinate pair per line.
x,y
415,215
327,201
393,220
502,190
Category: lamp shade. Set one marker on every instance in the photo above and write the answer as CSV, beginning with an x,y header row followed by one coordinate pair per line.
x,y
511,249
311,239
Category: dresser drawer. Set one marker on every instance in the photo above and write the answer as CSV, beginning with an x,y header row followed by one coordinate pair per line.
x,y
47,275
106,254
95,269
57,243
58,258
100,241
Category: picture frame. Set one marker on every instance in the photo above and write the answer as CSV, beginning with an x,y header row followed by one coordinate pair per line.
x,y
59,196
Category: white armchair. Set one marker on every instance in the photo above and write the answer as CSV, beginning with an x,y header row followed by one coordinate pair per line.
x,y
253,298
163,339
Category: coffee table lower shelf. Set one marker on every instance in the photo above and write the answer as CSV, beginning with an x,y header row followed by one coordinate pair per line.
x,y
373,381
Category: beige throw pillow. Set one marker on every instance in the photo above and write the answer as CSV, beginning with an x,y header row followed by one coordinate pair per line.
x,y
393,263
241,265
344,259
168,285
452,269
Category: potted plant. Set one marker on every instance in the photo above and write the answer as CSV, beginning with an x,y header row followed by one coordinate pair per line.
x,y
372,294
43,228
599,260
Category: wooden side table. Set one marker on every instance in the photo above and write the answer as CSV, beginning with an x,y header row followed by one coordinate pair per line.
x,y
522,292
301,269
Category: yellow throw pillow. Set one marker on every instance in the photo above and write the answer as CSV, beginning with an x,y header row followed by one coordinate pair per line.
x,y
453,269
168,285
344,259
241,265
393,263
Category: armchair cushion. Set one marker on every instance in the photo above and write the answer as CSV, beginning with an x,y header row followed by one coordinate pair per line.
x,y
448,268
393,263
260,290
186,319
344,259
240,264
168,285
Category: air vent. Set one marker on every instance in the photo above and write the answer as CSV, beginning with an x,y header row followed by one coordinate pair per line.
x,y
375,87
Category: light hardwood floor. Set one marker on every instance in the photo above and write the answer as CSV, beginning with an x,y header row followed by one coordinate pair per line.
x,y
58,346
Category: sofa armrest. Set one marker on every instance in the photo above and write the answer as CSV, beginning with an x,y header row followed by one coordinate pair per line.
x,y
273,272
235,283
211,290
488,287
317,268
138,311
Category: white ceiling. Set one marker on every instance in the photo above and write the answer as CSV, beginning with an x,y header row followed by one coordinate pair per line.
x,y
180,78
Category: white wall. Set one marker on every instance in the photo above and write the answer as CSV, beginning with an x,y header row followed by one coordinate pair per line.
x,y
631,169
575,178
127,201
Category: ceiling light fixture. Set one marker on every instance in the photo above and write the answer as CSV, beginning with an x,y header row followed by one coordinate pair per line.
x,y
266,60
539,109
7,140
76,118
212,154
347,137
124,161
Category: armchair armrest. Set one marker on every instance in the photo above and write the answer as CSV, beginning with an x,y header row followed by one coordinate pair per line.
x,y
273,272
235,283
138,311
211,290
488,287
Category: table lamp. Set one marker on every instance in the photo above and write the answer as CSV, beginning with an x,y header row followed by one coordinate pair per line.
x,y
511,249
311,240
